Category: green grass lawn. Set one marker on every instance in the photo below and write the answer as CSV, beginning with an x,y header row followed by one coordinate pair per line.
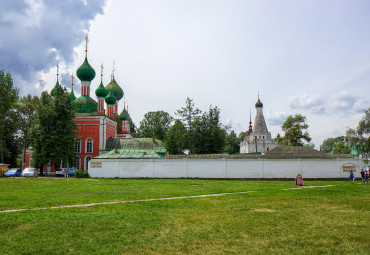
x,y
329,220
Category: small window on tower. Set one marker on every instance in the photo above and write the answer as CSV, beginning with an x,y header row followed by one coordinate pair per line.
x,y
89,145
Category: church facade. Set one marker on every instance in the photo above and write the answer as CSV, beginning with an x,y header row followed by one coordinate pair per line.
x,y
95,120
257,139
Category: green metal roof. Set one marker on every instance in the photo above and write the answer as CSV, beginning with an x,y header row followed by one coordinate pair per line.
x,y
125,116
85,72
117,90
72,96
133,154
54,90
85,104
101,91
134,144
110,99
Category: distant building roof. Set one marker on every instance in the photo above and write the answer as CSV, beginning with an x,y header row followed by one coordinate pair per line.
x,y
134,144
131,154
291,152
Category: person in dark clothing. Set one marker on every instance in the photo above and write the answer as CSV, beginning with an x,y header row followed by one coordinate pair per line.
x,y
362,175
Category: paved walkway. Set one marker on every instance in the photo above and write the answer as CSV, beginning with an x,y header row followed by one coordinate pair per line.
x,y
147,200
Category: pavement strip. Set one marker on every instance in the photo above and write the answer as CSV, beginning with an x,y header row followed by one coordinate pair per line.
x,y
146,200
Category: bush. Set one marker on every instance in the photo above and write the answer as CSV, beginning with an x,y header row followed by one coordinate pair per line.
x,y
82,174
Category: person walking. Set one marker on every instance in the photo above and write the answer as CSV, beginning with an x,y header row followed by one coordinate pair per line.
x,y
367,176
362,175
66,173
351,177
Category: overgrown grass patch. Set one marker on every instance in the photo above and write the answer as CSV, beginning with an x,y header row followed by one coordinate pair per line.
x,y
330,220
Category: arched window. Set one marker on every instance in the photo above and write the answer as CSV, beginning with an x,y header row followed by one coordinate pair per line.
x,y
87,159
89,145
77,163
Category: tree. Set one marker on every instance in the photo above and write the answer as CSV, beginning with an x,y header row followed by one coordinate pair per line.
x,y
341,148
155,124
175,138
26,109
188,113
53,131
9,120
359,137
119,122
232,144
209,134
294,131
329,143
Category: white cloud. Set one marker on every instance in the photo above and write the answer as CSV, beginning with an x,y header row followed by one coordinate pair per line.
x,y
40,32
341,103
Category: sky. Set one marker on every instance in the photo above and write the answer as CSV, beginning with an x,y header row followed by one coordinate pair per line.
x,y
308,57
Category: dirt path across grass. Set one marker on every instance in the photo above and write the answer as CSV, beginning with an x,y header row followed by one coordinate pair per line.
x,y
147,200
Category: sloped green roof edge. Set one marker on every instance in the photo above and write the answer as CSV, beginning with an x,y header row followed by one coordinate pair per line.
x,y
129,154
134,144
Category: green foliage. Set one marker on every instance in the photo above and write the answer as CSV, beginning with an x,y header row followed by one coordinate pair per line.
x,y
53,131
341,148
175,138
208,134
189,114
294,131
9,120
82,174
205,134
329,143
232,145
26,108
155,124
119,123
359,137
241,136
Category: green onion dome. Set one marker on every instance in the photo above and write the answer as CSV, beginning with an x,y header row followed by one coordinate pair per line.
x,y
110,99
113,85
125,116
85,104
85,72
101,91
54,90
72,96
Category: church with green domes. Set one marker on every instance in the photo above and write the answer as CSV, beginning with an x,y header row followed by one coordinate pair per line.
x,y
95,118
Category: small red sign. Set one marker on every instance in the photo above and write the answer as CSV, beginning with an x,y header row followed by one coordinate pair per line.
x,y
299,180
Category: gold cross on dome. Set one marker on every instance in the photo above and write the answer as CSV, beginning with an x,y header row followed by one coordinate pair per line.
x,y
101,72
86,42
57,70
114,66
72,80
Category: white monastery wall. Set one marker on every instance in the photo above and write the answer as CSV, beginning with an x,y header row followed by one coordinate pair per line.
x,y
220,168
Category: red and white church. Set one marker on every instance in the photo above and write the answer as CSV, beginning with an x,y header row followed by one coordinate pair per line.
x,y
95,119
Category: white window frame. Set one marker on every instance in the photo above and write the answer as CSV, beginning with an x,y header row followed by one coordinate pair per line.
x,y
78,144
87,162
88,140
78,160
